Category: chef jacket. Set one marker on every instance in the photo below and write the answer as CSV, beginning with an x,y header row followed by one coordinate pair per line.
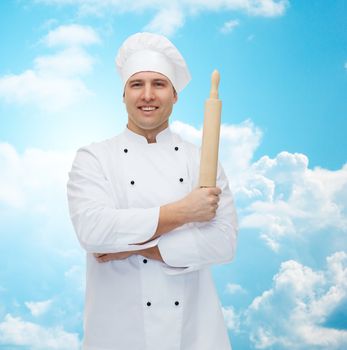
x,y
115,191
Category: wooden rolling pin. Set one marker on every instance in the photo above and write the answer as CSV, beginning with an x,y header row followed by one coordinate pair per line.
x,y
210,136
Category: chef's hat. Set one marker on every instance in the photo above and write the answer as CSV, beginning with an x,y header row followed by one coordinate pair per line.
x,y
152,52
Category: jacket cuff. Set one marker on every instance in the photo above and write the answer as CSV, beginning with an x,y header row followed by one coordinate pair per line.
x,y
179,250
143,224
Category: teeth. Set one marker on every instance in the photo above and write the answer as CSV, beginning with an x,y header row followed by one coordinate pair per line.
x,y
148,108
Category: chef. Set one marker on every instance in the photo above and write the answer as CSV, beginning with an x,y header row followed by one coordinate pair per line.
x,y
150,233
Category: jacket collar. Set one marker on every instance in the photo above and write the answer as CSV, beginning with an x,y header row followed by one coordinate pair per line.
x,y
165,136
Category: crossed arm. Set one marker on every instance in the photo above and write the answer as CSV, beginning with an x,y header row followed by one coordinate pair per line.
x,y
187,234
199,205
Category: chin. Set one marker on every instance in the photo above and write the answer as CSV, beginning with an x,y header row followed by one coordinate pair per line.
x,y
150,126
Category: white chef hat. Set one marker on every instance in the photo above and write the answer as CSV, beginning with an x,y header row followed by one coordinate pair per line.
x,y
152,52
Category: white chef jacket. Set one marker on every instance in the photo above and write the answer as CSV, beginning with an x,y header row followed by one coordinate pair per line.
x,y
115,191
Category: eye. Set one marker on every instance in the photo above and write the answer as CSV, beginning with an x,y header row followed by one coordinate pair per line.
x,y
135,84
160,84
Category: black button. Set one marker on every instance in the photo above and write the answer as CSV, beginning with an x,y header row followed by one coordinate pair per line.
x,y
181,180
149,303
125,150
176,148
177,303
145,261
132,182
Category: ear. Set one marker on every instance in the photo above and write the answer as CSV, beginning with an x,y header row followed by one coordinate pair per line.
x,y
175,97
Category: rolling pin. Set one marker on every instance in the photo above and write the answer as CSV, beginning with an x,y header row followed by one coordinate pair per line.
x,y
210,136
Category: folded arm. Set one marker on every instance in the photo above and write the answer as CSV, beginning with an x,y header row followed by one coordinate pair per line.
x,y
199,244
102,228
208,236
187,235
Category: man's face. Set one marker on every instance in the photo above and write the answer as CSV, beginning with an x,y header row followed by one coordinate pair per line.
x,y
149,98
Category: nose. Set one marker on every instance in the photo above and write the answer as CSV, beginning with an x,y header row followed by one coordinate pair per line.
x,y
148,93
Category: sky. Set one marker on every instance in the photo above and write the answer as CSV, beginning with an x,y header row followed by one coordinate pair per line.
x,y
283,66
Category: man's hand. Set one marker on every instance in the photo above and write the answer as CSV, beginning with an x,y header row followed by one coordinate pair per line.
x,y
150,253
112,256
201,204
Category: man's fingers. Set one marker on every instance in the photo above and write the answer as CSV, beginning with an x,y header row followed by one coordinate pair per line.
x,y
107,257
111,256
218,191
214,190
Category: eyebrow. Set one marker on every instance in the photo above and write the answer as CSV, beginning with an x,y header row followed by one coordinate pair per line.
x,y
142,80
135,81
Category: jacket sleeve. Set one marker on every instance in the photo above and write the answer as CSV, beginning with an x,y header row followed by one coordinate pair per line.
x,y
197,245
100,226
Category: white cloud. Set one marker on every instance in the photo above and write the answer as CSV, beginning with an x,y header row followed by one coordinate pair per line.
x,y
54,83
229,26
166,21
237,146
266,8
15,331
51,94
346,65
282,196
232,288
34,179
71,36
170,16
38,308
66,63
231,318
292,313
188,132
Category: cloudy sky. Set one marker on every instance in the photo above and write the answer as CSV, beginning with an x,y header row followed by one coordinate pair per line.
x,y
283,66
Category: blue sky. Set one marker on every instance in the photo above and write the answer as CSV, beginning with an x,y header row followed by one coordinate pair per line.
x,y
283,68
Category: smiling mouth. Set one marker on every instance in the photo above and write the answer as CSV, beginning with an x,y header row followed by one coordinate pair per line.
x,y
148,108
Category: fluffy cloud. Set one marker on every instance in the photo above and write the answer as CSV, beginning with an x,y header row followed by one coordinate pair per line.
x,y
34,179
170,16
38,308
282,196
231,318
67,63
229,26
232,288
166,21
292,314
15,331
54,82
237,146
71,35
